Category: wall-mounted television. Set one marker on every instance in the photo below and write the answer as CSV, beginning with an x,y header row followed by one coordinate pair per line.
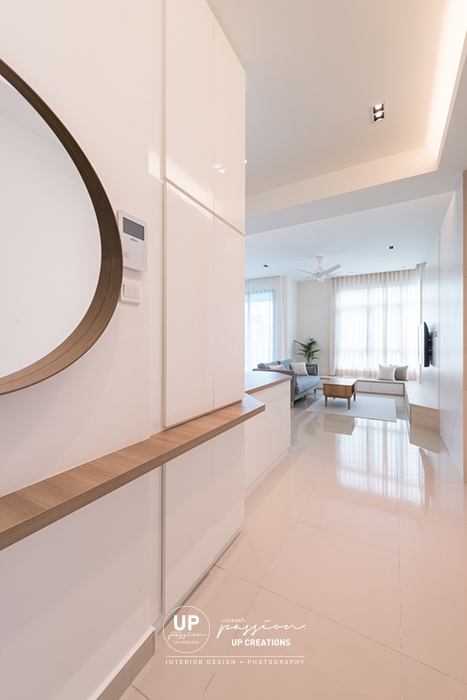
x,y
425,349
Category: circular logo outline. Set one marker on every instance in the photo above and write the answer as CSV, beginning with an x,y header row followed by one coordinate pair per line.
x,y
172,614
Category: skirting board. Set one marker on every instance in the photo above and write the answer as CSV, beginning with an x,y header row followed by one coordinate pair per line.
x,y
125,673
269,469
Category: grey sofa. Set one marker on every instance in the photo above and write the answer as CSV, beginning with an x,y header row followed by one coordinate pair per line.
x,y
300,386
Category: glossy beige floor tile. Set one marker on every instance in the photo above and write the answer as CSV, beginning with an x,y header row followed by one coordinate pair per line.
x,y
313,439
282,494
254,551
419,464
424,683
353,514
431,494
338,664
362,478
434,617
302,465
352,583
220,595
434,538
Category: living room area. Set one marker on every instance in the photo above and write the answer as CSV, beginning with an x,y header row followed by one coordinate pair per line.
x,y
366,318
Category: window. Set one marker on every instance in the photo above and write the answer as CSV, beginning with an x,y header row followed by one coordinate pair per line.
x,y
376,322
259,328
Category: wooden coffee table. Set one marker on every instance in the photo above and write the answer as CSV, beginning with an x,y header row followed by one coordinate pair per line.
x,y
340,388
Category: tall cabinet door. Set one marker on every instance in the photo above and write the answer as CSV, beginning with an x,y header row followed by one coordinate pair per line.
x,y
189,122
229,132
229,323
188,351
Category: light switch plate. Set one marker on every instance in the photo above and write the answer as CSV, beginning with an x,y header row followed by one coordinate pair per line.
x,y
130,292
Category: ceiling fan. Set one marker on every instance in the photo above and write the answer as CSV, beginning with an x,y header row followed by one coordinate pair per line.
x,y
319,273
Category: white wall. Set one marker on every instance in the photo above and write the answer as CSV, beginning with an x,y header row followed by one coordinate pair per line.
x,y
290,316
430,314
98,66
451,329
442,309
314,310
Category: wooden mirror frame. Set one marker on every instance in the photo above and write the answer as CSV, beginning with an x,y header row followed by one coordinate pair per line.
x,y
109,283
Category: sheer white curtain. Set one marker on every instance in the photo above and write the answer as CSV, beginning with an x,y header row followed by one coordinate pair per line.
x,y
263,321
375,321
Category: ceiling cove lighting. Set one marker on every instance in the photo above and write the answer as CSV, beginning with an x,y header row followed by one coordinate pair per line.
x,y
378,112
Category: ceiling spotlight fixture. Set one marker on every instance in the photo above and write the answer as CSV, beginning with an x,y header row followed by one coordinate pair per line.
x,y
391,247
265,265
246,161
378,112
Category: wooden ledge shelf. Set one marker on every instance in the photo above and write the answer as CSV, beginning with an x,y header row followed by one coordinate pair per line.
x,y
34,507
257,381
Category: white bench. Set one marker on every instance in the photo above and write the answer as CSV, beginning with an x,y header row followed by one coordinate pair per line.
x,y
380,386
421,410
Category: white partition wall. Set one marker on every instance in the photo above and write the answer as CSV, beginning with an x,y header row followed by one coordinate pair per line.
x,y
189,123
204,507
188,306
229,321
229,132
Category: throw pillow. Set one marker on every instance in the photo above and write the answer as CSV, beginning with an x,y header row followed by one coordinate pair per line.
x,y
276,367
402,373
386,372
299,368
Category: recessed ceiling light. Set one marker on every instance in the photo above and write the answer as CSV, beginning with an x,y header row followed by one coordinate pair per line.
x,y
265,265
378,112
391,247
246,161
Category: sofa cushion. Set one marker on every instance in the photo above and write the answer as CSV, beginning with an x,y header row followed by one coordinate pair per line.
x,y
276,368
386,372
299,368
312,369
402,373
263,365
305,383
286,364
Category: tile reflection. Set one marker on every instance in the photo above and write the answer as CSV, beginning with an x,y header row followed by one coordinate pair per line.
x,y
378,460
338,424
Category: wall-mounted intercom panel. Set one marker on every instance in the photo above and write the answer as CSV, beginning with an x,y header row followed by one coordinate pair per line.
x,y
134,233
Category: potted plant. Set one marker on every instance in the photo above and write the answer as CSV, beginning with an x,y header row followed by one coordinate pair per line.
x,y
308,350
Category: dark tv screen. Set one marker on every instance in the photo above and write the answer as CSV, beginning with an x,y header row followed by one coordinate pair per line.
x,y
424,345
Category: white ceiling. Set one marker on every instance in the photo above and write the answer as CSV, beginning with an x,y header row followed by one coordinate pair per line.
x,y
314,68
359,241
321,178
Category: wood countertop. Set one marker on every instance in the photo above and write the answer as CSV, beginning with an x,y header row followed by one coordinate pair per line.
x,y
257,381
30,509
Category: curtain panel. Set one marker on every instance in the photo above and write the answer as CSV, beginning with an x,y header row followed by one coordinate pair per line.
x,y
374,320
263,321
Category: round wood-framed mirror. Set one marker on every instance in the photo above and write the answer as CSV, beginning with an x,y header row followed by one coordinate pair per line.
x,y
105,291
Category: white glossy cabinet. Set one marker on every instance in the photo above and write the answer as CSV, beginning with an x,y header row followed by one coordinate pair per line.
x,y
189,123
229,323
188,308
204,507
229,132
267,435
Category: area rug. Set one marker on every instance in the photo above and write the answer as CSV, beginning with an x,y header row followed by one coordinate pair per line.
x,y
373,407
